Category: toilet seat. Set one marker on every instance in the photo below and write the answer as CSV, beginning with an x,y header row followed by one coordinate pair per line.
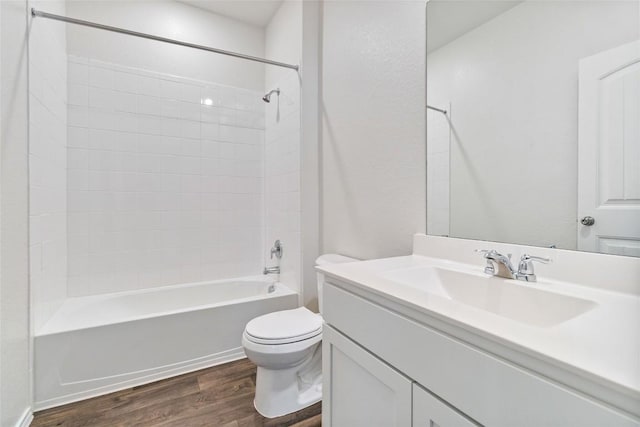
x,y
284,327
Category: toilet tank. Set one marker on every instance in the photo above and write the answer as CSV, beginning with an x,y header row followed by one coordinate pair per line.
x,y
325,260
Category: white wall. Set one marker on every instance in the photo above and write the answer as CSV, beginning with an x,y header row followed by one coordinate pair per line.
x,y
174,20
373,134
283,40
162,188
310,147
15,362
47,163
513,88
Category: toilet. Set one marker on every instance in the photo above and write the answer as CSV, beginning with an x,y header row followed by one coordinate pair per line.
x,y
287,348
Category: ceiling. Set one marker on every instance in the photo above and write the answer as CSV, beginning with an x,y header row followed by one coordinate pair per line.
x,y
255,12
449,19
446,19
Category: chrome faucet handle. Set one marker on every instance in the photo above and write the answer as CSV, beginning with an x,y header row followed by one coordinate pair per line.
x,y
486,253
276,249
490,252
525,267
544,260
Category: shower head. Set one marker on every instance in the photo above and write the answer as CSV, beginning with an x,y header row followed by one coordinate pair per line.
x,y
267,97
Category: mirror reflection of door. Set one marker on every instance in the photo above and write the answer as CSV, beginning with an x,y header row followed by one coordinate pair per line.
x,y
542,99
609,152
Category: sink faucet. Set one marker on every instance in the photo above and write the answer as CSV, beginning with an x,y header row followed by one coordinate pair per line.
x,y
498,264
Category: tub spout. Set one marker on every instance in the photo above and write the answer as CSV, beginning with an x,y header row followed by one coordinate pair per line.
x,y
271,270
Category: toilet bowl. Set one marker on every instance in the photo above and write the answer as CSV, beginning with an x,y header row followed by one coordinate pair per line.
x,y
286,346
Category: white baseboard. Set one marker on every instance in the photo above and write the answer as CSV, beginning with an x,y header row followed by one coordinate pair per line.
x,y
26,418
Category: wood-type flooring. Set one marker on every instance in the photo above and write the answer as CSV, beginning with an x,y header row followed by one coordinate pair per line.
x,y
221,396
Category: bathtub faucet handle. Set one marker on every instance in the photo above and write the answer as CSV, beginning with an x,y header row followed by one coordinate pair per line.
x,y
277,249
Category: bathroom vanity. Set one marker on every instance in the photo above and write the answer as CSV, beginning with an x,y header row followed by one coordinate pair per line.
x,y
431,340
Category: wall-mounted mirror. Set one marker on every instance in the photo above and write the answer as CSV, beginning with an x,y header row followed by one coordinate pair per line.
x,y
533,122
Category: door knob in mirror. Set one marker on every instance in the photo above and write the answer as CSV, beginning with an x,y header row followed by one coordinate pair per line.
x,y
588,220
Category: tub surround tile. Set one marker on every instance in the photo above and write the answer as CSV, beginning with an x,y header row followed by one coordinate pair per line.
x,y
161,161
282,175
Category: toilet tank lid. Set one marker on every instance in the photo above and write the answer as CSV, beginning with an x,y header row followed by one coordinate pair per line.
x,y
334,259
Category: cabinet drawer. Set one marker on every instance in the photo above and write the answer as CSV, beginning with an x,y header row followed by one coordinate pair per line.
x,y
487,389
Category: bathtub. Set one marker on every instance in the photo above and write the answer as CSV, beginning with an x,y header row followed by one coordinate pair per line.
x,y
99,344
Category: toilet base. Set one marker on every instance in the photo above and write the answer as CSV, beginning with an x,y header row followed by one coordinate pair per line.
x,y
283,391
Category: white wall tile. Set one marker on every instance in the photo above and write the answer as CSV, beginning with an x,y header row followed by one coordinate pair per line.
x,y
126,82
190,165
78,116
99,139
189,129
126,102
190,111
77,137
151,125
190,147
100,119
78,95
152,186
77,179
191,93
78,73
102,98
281,171
77,158
149,105
171,108
210,131
101,77
126,122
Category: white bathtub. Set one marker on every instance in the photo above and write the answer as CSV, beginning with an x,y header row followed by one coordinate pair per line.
x,y
99,344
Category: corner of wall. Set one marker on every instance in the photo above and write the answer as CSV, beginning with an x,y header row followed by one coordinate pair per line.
x,y
310,149
283,195
48,163
15,380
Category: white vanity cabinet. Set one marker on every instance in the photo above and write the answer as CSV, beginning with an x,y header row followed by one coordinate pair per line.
x,y
385,368
360,390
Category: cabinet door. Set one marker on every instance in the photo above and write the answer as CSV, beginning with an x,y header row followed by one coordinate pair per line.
x,y
428,411
360,390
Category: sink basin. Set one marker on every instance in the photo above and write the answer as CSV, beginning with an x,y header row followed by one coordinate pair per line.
x,y
506,298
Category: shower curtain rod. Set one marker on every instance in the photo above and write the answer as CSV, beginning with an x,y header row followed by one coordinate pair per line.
x,y
440,110
41,14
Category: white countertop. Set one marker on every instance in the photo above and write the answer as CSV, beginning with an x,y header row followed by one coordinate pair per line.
x,y
601,345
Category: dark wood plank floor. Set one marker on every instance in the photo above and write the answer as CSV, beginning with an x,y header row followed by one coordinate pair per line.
x,y
221,396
